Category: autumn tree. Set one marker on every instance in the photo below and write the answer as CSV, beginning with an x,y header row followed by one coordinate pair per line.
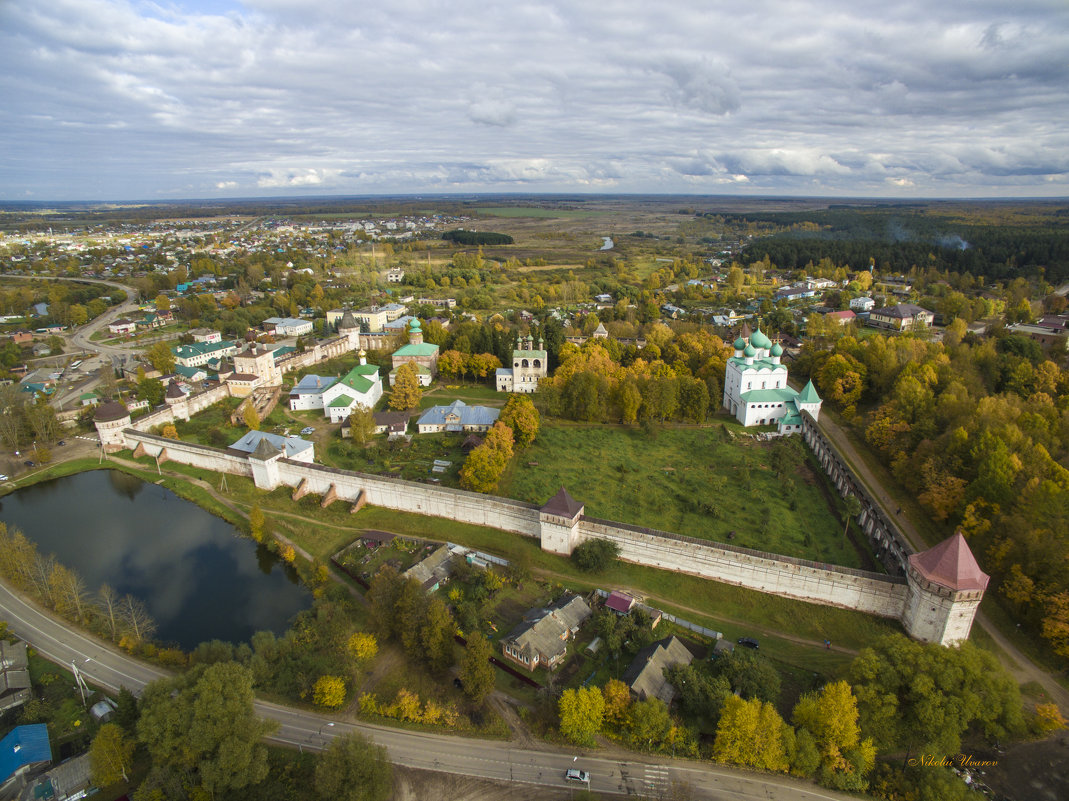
x,y
582,711
169,432
521,416
329,692
354,769
137,622
251,418
161,357
751,733
485,464
617,702
831,717
406,393
361,424
110,754
451,364
362,647
256,523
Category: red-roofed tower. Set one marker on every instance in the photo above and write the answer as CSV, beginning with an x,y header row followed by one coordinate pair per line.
x,y
945,588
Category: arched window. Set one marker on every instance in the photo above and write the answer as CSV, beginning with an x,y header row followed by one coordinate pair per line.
x,y
525,363
537,362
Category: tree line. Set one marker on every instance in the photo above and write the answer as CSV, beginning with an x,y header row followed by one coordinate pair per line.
x,y
978,431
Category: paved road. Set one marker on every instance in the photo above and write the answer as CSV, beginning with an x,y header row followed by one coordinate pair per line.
x,y
108,667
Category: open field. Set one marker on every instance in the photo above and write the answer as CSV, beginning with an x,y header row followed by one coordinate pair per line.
x,y
700,482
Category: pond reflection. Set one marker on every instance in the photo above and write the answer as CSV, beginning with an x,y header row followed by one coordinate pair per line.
x,y
197,577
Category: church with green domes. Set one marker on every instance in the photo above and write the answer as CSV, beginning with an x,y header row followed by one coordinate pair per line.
x,y
756,391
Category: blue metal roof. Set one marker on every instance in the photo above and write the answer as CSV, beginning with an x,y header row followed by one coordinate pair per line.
x,y
25,745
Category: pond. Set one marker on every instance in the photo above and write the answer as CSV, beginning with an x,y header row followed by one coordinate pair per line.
x,y
198,578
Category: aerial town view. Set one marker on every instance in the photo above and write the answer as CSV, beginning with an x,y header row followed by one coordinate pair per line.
x,y
619,417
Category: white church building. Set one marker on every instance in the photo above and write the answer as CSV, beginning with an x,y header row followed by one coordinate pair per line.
x,y
756,391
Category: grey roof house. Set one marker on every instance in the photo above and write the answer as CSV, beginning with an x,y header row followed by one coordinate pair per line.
x,y
541,640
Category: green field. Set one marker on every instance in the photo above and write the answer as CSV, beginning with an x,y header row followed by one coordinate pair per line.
x,y
700,482
535,211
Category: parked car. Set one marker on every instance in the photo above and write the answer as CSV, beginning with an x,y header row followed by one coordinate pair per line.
x,y
62,442
749,642
29,463
308,430
3,477
576,775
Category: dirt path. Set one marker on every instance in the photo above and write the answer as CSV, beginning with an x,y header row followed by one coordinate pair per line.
x,y
1017,663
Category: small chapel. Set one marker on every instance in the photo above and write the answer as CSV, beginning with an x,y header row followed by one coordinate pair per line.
x,y
755,387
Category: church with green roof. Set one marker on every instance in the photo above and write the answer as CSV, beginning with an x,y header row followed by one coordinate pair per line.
x,y
756,390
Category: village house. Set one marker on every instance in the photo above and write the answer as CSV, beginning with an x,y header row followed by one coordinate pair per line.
x,y
645,675
122,327
200,353
457,416
862,304
14,675
841,317
287,326
295,448
541,640
901,317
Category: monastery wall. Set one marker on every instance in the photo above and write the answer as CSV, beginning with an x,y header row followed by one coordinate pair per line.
x,y
874,593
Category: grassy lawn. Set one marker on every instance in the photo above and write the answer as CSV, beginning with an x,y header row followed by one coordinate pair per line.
x,y
700,482
410,460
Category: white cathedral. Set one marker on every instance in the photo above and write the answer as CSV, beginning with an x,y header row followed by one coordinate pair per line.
x,y
756,391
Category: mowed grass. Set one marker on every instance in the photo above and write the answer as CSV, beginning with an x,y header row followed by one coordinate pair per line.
x,y
700,482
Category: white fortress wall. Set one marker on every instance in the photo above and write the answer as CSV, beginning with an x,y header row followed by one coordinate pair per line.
x,y
873,593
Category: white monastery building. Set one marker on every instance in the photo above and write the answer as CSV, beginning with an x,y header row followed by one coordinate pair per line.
x,y
756,391
529,364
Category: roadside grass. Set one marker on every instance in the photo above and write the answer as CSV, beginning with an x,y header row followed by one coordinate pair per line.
x,y
702,482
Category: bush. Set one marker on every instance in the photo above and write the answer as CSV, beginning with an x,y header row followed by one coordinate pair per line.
x,y
593,556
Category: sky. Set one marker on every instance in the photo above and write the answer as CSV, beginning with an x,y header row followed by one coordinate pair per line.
x,y
134,100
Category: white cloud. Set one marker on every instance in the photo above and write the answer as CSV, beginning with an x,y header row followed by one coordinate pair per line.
x,y
128,100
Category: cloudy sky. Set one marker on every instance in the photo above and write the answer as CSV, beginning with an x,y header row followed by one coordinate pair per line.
x,y
125,99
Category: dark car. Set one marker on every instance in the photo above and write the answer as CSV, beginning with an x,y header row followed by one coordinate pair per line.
x,y
28,463
62,442
749,642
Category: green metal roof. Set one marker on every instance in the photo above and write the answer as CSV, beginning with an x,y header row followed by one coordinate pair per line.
x,y
424,349
528,354
342,401
757,364
809,394
781,395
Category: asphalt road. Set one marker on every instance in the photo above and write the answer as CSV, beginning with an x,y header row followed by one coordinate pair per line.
x,y
107,667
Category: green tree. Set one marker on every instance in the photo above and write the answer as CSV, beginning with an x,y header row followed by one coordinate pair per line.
x,y
476,672
161,357
203,723
924,696
79,315
382,595
151,390
749,675
110,754
649,723
354,769
521,416
595,555
410,612
362,424
582,711
437,635
406,393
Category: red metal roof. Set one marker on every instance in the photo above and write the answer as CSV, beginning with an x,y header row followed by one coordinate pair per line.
x,y
951,564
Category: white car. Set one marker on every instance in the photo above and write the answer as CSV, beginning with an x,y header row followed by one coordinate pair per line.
x,y
3,477
308,430
575,775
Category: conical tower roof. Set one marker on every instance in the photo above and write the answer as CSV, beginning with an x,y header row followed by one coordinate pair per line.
x,y
562,505
265,450
347,320
809,393
951,564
